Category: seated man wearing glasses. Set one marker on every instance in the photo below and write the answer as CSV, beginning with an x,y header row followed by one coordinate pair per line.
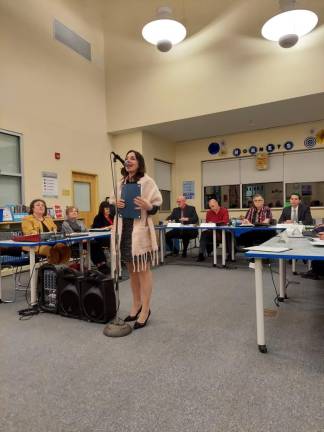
x,y
257,214
187,215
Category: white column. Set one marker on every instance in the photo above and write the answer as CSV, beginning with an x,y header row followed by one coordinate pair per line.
x,y
214,248
162,245
32,272
282,278
259,302
223,247
233,245
81,255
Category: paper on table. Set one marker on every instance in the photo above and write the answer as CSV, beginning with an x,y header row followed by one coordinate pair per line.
x,y
262,248
317,242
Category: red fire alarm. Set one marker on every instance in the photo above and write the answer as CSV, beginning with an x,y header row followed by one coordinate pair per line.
x,y
57,156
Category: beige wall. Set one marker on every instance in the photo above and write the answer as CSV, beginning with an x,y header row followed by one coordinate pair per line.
x,y
159,148
190,154
223,64
155,147
51,95
151,146
122,143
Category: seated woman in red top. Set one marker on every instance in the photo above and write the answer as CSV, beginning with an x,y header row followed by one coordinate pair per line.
x,y
219,216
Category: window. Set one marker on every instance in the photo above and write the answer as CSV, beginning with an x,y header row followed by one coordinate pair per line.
x,y
227,196
312,193
271,192
10,169
163,180
221,181
166,204
298,171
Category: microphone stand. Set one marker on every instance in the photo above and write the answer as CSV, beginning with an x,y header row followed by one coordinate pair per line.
x,y
117,327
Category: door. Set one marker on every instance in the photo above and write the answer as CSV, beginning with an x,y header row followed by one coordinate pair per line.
x,y
85,196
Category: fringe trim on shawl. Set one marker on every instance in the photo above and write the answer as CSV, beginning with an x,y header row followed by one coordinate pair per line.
x,y
140,261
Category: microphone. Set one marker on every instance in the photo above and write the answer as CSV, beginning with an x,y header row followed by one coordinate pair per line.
x,y
117,157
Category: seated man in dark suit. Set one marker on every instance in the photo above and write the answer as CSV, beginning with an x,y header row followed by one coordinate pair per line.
x,y
296,212
185,214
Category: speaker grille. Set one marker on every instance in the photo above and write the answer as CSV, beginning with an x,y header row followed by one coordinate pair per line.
x,y
72,40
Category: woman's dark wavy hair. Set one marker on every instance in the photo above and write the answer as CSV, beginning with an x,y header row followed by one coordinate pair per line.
x,y
32,204
141,165
102,206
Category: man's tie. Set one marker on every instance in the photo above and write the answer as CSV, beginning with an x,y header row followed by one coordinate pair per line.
x,y
294,214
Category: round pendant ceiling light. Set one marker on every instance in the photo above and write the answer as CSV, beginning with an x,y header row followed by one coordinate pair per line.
x,y
288,26
164,32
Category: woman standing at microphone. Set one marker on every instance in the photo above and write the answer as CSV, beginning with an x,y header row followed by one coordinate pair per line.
x,y
138,245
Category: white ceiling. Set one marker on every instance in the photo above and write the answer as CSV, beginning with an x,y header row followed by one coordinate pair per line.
x,y
281,113
124,40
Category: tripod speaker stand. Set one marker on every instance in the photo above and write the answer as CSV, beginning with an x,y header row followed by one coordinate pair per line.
x,y
117,327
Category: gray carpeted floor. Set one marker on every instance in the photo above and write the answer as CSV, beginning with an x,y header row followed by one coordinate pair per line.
x,y
195,367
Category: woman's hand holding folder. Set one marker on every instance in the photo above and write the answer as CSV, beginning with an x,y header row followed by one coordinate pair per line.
x,y
142,203
120,203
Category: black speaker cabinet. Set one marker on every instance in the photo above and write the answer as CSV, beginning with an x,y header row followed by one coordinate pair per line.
x,y
98,297
47,287
69,293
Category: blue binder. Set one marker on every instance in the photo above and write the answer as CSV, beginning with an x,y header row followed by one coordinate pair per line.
x,y
128,193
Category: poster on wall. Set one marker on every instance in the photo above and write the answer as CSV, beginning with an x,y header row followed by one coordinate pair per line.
x,y
49,184
188,189
6,214
262,161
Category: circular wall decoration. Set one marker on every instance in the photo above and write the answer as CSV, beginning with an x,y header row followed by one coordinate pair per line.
x,y
253,150
310,142
288,145
236,152
261,149
244,151
270,148
213,148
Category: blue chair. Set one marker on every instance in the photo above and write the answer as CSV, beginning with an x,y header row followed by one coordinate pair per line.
x,y
14,263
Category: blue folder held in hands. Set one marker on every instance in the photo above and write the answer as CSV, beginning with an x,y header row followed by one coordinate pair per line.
x,y
128,193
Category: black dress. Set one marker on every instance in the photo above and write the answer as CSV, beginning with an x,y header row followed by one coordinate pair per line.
x,y
126,241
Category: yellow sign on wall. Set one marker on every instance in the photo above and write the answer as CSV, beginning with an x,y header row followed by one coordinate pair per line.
x,y
262,160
